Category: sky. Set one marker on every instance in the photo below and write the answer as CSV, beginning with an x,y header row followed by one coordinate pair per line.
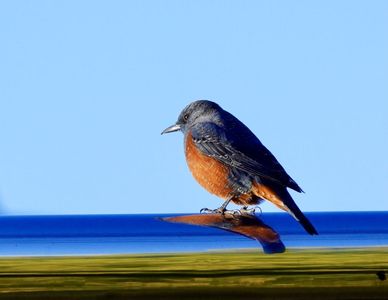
x,y
86,87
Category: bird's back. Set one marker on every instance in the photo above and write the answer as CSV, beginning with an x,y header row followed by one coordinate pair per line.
x,y
245,141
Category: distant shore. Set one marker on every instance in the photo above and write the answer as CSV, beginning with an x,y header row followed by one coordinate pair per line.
x,y
346,273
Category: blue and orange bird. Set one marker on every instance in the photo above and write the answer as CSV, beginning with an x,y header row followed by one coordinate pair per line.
x,y
229,161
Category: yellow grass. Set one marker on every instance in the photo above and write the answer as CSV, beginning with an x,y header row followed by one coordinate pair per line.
x,y
294,274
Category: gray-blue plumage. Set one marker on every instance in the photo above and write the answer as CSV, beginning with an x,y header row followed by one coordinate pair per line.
x,y
252,170
227,139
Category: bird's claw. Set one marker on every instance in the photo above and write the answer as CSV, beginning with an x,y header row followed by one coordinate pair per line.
x,y
211,211
230,213
236,212
248,211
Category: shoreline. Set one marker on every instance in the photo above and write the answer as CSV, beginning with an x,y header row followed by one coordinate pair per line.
x,y
230,250
346,273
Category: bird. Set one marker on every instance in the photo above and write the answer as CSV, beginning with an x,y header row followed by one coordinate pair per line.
x,y
229,161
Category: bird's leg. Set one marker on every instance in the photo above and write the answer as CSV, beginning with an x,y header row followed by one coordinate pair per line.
x,y
220,210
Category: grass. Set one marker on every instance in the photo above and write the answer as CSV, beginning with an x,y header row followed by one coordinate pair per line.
x,y
296,274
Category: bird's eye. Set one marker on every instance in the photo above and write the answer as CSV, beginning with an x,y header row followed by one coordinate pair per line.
x,y
186,117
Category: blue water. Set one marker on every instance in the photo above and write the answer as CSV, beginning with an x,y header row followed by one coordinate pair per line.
x,y
120,234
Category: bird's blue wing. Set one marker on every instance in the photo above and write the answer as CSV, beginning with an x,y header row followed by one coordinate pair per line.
x,y
248,156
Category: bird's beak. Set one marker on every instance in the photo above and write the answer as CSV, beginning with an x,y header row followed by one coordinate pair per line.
x,y
172,128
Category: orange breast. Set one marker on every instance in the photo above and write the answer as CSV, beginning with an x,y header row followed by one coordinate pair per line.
x,y
209,173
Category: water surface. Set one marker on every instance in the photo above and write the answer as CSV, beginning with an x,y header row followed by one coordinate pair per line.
x,y
121,234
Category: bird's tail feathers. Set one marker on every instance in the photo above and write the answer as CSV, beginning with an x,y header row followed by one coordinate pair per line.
x,y
282,199
294,210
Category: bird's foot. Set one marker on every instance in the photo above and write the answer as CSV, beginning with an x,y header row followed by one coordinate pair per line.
x,y
249,211
212,211
233,212
222,211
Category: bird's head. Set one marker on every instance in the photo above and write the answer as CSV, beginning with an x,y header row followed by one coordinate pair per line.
x,y
197,111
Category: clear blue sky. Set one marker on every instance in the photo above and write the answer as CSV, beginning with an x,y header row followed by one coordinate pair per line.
x,y
86,87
